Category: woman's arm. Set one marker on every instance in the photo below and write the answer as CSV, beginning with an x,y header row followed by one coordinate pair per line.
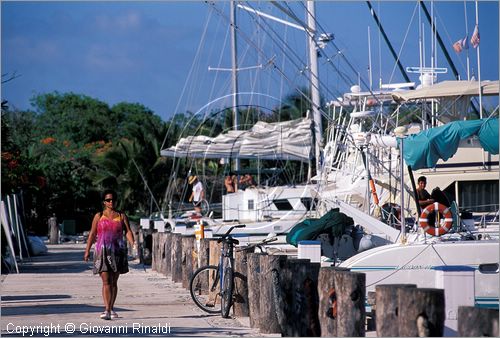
x,y
92,235
129,234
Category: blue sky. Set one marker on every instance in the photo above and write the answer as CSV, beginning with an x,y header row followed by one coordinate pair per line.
x,y
158,53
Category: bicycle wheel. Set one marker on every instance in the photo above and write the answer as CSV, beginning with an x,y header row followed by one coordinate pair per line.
x,y
204,288
205,207
227,290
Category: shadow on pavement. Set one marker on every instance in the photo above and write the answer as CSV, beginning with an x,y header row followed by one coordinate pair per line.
x,y
21,298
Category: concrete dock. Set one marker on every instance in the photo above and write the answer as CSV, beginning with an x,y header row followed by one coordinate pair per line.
x,y
57,295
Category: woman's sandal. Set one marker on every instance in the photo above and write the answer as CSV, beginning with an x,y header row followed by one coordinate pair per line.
x,y
114,315
106,315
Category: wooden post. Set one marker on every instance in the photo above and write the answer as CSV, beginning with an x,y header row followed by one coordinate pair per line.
x,y
187,260
327,310
168,253
162,257
477,322
386,300
177,258
350,288
253,274
54,230
154,252
298,304
421,312
240,283
268,263
214,251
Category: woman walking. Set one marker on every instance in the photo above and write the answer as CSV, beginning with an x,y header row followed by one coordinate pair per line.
x,y
110,252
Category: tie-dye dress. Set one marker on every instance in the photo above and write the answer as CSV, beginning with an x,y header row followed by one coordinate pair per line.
x,y
110,253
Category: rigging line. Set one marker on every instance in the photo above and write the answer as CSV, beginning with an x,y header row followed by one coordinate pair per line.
x,y
391,49
348,81
346,60
270,29
400,267
205,30
404,41
275,67
450,41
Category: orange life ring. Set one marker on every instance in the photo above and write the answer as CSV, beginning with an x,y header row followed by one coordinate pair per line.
x,y
446,224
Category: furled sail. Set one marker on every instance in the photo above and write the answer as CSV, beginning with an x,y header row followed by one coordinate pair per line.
x,y
289,140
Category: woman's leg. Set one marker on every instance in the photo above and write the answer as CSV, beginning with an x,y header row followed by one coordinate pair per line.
x,y
115,288
107,291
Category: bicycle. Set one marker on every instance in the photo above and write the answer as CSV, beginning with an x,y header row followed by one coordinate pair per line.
x,y
212,284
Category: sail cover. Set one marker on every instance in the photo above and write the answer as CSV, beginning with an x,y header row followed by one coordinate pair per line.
x,y
289,140
424,149
448,89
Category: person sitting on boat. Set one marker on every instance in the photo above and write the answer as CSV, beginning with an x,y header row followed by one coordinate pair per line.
x,y
197,194
424,198
247,181
230,182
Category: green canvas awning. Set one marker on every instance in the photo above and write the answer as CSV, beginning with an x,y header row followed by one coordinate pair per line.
x,y
424,149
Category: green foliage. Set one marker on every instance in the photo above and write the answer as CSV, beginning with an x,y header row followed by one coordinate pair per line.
x,y
73,146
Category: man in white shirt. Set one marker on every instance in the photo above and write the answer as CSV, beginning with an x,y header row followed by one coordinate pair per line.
x,y
198,194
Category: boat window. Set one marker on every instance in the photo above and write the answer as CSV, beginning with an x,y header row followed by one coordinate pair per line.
x,y
478,196
250,205
282,204
308,203
488,268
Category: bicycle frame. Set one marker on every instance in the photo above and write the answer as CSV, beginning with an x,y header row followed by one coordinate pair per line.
x,y
226,252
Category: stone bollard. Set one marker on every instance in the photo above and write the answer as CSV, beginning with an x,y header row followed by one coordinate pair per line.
x,y
253,274
477,322
54,230
240,306
386,300
327,309
350,289
421,312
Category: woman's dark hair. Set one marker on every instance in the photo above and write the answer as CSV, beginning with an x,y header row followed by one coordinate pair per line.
x,y
108,192
422,179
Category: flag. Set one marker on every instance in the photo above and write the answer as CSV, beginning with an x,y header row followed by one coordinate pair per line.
x,y
465,45
460,45
457,46
474,40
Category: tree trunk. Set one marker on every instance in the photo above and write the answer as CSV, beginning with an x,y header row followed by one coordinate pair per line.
x,y
54,230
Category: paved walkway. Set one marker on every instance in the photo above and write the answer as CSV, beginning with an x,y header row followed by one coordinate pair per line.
x,y
57,295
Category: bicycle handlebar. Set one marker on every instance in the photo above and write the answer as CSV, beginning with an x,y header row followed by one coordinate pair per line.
x,y
229,231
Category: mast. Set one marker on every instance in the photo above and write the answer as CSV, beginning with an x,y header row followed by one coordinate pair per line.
x,y
313,60
479,68
234,73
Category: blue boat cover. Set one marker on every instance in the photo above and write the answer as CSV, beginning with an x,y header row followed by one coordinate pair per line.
x,y
424,149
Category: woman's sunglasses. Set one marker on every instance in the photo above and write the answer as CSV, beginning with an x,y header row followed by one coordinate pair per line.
x,y
108,200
